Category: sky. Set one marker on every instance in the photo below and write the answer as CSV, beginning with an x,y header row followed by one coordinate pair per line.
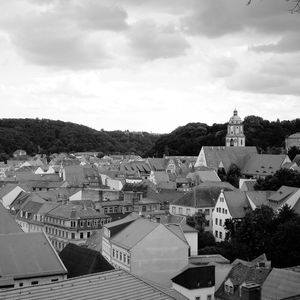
x,y
148,65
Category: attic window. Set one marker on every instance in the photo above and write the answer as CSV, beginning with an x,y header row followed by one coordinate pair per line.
x,y
228,289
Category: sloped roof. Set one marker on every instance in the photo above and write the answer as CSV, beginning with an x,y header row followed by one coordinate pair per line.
x,y
7,188
78,175
28,255
237,203
239,274
134,232
263,164
297,159
195,277
204,195
161,176
259,198
82,261
157,164
177,230
227,155
210,258
72,211
281,283
283,193
7,222
110,285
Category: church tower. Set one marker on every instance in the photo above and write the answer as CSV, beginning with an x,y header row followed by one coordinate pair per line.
x,y
235,131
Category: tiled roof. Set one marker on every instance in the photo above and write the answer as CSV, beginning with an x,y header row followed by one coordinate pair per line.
x,y
71,211
7,188
110,285
259,198
157,164
204,195
28,255
203,176
161,176
7,223
237,203
281,283
239,274
283,194
227,156
263,164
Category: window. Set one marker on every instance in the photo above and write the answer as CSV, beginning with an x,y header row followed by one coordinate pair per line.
x,y
73,224
198,298
216,221
206,211
128,260
81,235
88,234
113,252
96,223
216,233
209,297
173,210
223,210
89,223
20,284
220,222
124,258
220,235
34,282
117,254
54,279
121,257
81,223
180,210
188,211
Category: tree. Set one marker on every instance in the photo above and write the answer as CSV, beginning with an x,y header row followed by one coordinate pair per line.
x,y
233,175
281,177
197,221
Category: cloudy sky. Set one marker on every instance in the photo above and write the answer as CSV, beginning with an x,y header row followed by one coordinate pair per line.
x,y
150,65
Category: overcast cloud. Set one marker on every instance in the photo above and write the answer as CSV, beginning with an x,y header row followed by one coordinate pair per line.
x,y
147,64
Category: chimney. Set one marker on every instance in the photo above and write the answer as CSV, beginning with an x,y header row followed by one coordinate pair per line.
x,y
251,291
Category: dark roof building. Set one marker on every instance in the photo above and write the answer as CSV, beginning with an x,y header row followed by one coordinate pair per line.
x,y
83,261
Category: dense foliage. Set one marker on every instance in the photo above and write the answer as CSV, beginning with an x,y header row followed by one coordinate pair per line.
x,y
47,136
262,231
267,136
281,177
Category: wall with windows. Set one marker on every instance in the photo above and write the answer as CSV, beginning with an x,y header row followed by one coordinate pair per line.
x,y
219,216
195,294
120,257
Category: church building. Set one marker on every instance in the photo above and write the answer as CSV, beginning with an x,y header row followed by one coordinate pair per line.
x,y
235,132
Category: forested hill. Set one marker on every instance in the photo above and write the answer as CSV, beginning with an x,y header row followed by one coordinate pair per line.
x,y
188,140
47,136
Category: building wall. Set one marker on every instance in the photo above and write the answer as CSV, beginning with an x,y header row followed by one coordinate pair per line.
x,y
203,293
190,211
219,215
290,142
120,257
192,239
201,161
159,256
40,280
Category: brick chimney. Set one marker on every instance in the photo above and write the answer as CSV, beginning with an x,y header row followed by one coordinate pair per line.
x,y
251,291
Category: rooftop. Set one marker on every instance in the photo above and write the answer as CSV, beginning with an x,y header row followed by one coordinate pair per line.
x,y
111,285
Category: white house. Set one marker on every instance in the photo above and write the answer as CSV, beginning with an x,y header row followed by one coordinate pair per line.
x,y
9,193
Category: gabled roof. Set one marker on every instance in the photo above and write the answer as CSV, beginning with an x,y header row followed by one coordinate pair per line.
x,y
227,156
110,285
72,211
157,164
82,261
281,283
239,274
134,233
161,176
26,255
7,188
263,164
283,194
259,198
195,277
237,203
204,195
7,222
